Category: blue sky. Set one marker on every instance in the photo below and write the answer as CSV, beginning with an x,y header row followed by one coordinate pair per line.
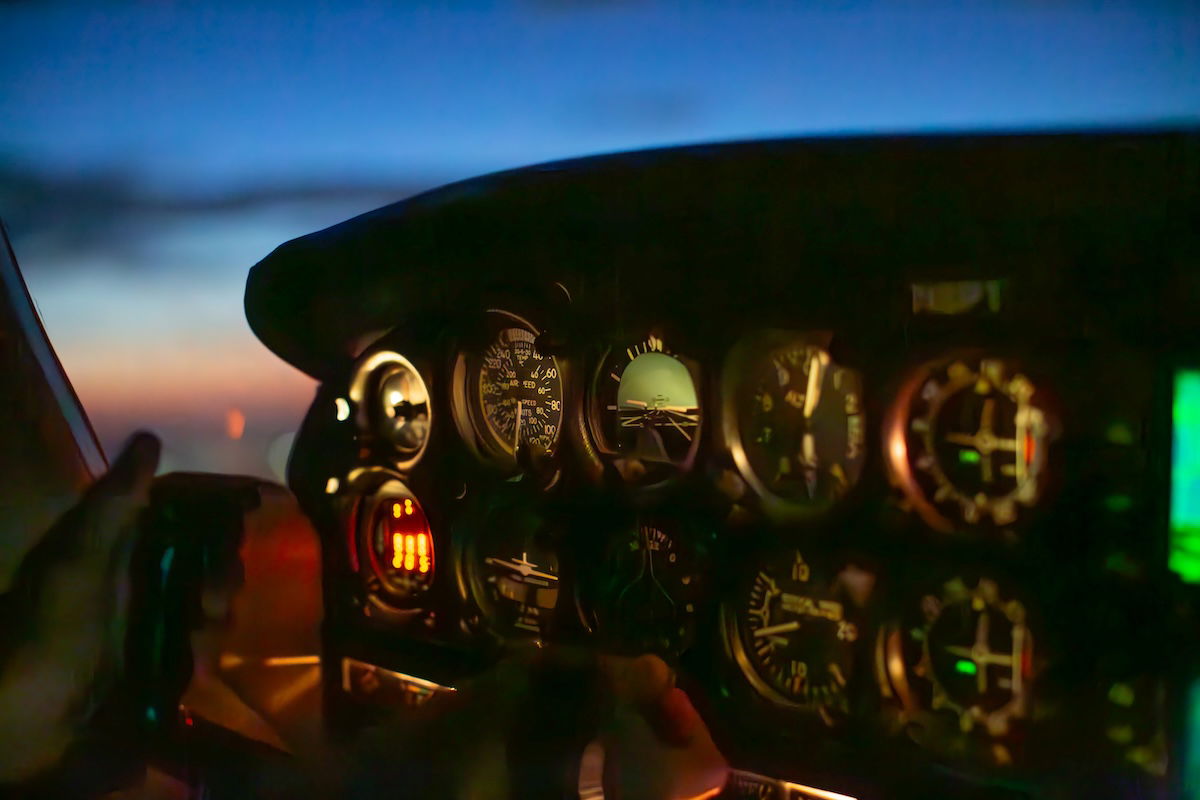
x,y
158,150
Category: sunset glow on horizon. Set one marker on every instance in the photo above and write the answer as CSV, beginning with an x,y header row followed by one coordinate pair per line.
x,y
152,153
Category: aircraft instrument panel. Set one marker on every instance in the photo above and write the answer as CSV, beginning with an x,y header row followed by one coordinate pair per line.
x,y
887,446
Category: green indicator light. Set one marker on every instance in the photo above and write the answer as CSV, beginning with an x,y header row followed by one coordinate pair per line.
x,y
151,714
966,667
1118,502
1184,558
1121,694
1121,734
968,456
1119,433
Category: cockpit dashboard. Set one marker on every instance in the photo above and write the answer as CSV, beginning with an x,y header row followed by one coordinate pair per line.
x,y
874,440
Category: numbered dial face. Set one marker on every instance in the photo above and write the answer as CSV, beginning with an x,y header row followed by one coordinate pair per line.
x,y
513,575
648,590
646,410
967,443
520,392
968,652
801,425
797,632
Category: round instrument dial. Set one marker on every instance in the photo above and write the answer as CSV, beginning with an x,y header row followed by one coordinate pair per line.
x,y
397,546
646,595
646,410
512,574
796,630
965,653
967,442
391,401
512,394
520,391
800,432
403,408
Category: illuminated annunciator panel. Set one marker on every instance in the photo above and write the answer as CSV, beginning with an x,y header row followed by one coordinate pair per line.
x,y
395,548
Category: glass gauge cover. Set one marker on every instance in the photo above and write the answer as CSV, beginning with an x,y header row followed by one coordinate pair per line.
x,y
795,633
648,589
511,574
513,392
799,433
965,654
967,443
393,404
396,546
646,411
403,408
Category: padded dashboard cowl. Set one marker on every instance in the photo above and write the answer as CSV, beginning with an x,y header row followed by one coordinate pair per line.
x,y
734,225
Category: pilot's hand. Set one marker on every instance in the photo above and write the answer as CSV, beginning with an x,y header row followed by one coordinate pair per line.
x,y
535,727
64,620
656,746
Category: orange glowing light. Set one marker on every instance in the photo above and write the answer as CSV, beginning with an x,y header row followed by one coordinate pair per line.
x,y
898,447
406,542
235,424
1030,448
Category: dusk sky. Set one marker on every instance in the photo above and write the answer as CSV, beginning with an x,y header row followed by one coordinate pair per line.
x,y
150,153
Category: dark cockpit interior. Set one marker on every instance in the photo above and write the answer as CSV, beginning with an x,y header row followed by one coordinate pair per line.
x,y
888,446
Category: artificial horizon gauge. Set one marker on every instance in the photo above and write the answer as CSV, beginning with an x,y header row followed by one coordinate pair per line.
x,y
645,410
964,654
794,420
966,441
510,572
395,547
645,596
509,395
795,632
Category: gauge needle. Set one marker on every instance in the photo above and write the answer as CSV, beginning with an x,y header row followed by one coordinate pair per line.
x,y
783,627
983,442
522,566
816,370
517,432
686,435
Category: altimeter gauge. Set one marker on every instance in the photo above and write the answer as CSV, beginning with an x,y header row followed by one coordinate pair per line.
x,y
794,421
